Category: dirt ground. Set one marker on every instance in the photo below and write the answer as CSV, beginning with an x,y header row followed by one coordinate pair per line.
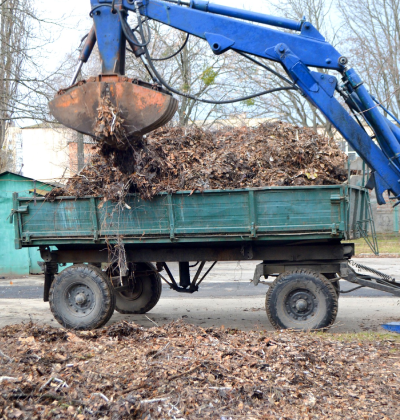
x,y
207,356
244,313
226,299
181,371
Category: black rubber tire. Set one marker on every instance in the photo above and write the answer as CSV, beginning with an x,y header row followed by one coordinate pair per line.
x,y
335,283
312,288
146,295
78,279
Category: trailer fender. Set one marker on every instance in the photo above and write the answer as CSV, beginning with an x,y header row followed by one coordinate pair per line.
x,y
258,272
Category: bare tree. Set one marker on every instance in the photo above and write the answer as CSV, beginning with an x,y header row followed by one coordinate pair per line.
x,y
373,35
289,105
22,93
292,106
13,40
195,71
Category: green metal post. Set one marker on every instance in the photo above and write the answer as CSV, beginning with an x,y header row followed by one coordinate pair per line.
x,y
396,220
363,174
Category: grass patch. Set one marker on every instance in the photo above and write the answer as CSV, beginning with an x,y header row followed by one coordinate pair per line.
x,y
387,244
363,336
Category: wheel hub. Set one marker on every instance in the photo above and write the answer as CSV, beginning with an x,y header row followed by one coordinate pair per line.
x,y
301,304
80,299
135,291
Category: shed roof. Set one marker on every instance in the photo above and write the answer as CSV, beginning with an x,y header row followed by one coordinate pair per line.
x,y
52,183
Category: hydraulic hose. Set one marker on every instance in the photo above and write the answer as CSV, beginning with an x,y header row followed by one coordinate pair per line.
x,y
208,101
128,34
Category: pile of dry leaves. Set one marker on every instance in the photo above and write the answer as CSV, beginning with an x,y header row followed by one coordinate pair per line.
x,y
171,159
109,129
179,371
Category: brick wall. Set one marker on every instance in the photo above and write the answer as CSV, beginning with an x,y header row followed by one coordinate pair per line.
x,y
73,155
387,218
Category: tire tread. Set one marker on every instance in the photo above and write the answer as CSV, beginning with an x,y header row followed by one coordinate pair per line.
x,y
107,291
281,279
156,287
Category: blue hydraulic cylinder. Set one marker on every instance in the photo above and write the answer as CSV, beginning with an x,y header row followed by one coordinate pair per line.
x,y
377,121
244,36
110,38
88,46
388,174
356,105
394,128
219,9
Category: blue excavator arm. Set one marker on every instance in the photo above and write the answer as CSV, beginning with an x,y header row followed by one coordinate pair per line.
x,y
226,28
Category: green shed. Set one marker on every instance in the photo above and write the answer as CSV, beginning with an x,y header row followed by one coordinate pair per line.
x,y
15,262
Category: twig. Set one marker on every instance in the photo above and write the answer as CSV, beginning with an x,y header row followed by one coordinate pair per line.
x,y
154,400
100,395
44,385
113,121
188,372
160,351
173,408
60,381
53,397
155,323
8,378
5,356
244,354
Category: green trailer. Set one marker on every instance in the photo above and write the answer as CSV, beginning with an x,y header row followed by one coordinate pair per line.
x,y
120,251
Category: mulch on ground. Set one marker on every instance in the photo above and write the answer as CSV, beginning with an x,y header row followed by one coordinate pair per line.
x,y
180,371
190,158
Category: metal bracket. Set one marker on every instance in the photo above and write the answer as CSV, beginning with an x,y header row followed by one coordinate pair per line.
x,y
194,284
26,238
20,209
45,253
258,272
380,185
218,43
379,282
336,198
327,82
171,218
252,215
247,252
309,31
296,68
95,222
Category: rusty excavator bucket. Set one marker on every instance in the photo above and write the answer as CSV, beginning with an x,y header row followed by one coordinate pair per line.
x,y
135,107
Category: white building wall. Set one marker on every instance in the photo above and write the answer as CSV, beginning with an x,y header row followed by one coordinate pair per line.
x,y
44,153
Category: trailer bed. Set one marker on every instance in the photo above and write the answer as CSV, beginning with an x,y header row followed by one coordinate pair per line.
x,y
260,214
295,233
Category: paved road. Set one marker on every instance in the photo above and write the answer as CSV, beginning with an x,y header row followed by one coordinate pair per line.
x,y
225,280
227,289
226,298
